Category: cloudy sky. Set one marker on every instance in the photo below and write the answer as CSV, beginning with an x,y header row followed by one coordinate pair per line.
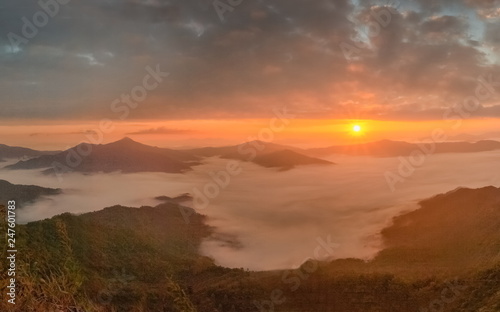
x,y
327,61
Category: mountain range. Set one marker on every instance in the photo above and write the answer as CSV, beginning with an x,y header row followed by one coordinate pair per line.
x,y
387,148
124,155
129,156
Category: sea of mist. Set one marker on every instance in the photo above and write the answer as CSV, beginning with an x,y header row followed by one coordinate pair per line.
x,y
268,219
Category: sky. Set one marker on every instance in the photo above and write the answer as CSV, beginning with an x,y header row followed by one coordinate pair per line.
x,y
192,70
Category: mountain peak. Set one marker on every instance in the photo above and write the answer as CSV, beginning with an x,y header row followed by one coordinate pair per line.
x,y
126,139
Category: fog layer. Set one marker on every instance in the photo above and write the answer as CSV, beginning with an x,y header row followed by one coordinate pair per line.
x,y
268,219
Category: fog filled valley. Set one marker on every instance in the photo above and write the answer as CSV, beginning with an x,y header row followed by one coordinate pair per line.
x,y
274,217
335,233
250,156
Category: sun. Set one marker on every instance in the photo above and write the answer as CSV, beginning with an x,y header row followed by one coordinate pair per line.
x,y
356,128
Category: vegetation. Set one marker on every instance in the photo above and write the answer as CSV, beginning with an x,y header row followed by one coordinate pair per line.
x,y
24,193
116,259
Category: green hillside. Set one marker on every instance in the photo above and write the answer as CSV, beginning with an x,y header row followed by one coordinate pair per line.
x,y
119,257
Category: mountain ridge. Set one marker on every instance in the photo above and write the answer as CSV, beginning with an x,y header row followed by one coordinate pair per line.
x,y
389,148
24,193
124,155
129,156
12,152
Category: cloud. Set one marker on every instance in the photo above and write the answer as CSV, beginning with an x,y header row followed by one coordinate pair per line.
x,y
493,33
162,130
483,3
83,132
262,55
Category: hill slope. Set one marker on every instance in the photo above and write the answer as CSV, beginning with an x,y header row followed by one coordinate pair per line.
x,y
7,152
118,258
23,193
456,231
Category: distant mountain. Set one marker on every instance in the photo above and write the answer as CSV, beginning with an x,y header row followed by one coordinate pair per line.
x,y
242,151
287,159
7,152
387,148
124,155
23,193
129,156
175,200
475,137
265,154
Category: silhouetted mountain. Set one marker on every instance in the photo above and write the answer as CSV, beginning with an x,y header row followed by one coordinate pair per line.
x,y
240,151
176,200
387,148
466,147
261,153
23,193
7,152
287,159
466,137
129,156
124,155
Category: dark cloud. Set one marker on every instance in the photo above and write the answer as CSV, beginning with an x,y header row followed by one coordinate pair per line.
x,y
493,33
483,3
445,25
162,130
262,55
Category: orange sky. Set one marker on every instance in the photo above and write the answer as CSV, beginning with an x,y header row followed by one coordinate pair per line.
x,y
189,133
325,63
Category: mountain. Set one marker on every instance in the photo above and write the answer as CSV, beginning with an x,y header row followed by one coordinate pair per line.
x,y
242,151
287,159
387,148
444,256
457,230
129,156
475,137
466,147
124,155
175,200
7,152
262,153
23,193
115,259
